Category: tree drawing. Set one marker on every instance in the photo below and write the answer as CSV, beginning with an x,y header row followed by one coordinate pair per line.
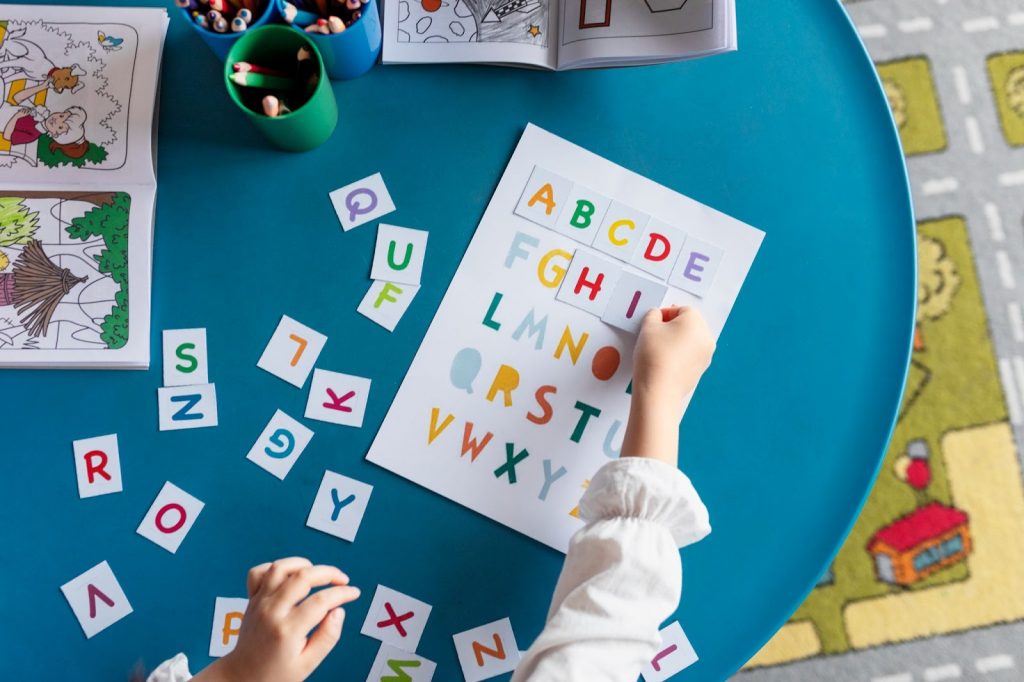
x,y
17,222
109,221
35,287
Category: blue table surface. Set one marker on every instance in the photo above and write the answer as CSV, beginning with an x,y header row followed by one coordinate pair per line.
x,y
790,134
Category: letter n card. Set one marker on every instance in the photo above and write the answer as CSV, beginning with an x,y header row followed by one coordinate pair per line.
x,y
487,650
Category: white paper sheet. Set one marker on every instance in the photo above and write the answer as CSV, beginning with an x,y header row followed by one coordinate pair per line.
x,y
505,368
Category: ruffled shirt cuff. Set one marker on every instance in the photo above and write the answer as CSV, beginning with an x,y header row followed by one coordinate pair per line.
x,y
647,489
174,670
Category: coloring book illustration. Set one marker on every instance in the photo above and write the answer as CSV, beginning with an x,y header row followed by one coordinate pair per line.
x,y
63,270
592,19
66,89
466,21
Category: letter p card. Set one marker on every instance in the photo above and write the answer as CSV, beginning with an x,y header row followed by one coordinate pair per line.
x,y
487,651
228,613
96,599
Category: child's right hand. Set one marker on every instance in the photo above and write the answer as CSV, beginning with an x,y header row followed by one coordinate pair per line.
x,y
273,645
673,350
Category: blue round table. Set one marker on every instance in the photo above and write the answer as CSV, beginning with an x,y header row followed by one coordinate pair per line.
x,y
790,134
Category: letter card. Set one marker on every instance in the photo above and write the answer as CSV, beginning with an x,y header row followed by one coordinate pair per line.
x,y
96,598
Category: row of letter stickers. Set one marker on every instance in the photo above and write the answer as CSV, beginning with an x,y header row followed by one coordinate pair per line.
x,y
599,285
397,258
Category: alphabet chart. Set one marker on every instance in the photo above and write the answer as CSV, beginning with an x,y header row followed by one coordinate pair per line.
x,y
520,389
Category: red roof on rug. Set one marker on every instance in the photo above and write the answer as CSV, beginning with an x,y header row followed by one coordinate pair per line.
x,y
922,524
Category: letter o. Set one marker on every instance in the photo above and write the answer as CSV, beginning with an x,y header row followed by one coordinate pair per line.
x,y
177,525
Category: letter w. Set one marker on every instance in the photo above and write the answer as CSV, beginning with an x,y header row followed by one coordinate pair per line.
x,y
470,444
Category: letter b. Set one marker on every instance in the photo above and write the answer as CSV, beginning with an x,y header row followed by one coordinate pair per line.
x,y
581,216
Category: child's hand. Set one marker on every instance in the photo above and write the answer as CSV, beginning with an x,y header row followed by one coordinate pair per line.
x,y
673,350
273,645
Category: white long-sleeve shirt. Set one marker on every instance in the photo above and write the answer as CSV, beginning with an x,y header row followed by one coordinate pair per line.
x,y
622,577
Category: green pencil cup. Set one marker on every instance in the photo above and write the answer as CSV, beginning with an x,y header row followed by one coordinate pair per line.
x,y
311,122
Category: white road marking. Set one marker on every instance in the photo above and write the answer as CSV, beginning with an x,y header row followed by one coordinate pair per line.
x,y
1016,19
1011,178
1018,376
872,31
963,87
940,186
995,222
974,135
1005,270
979,24
916,25
950,671
901,677
1016,320
992,664
1009,390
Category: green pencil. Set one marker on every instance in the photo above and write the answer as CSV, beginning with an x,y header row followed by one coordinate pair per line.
x,y
262,80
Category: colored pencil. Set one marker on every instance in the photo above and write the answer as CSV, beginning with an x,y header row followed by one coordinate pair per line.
x,y
259,80
246,67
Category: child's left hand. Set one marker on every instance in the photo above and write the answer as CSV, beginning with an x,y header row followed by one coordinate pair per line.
x,y
273,645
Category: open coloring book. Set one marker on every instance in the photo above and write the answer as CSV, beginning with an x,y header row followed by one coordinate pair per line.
x,y
77,184
557,34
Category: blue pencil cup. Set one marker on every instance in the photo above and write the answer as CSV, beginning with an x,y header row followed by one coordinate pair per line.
x,y
352,52
220,43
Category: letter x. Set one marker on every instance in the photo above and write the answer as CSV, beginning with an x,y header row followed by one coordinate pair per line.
x,y
511,460
395,619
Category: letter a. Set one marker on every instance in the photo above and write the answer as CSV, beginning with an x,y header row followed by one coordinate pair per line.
x,y
546,196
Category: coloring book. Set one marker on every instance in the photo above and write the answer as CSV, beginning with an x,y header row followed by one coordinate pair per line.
x,y
520,390
557,34
77,184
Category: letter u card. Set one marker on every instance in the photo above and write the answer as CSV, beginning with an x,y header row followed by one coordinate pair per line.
x,y
519,392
